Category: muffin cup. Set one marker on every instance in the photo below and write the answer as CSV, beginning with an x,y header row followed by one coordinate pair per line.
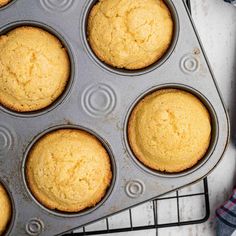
x,y
214,132
60,213
126,72
13,210
70,82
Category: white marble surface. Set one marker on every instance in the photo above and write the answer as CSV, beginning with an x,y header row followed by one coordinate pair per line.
x,y
216,24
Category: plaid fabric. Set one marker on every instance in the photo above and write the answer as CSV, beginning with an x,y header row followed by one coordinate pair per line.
x,y
232,2
226,217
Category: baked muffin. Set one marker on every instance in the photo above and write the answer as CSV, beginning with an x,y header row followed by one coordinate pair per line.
x,y
34,69
169,130
5,210
68,170
4,2
130,34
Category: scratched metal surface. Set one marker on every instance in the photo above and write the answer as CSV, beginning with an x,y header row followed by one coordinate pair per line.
x,y
99,100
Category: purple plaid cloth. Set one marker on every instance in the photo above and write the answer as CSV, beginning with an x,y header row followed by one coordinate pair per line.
x,y
231,1
226,217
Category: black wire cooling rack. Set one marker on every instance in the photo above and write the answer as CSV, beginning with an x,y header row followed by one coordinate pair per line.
x,y
174,209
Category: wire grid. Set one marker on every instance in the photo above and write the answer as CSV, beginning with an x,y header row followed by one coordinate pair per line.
x,y
166,211
173,209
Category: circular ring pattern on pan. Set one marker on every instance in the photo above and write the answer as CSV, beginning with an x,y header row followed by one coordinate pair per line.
x,y
70,81
214,130
34,227
7,139
125,72
57,5
87,210
189,64
134,188
10,224
99,100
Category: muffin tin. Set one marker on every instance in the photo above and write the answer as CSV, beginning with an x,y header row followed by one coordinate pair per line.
x,y
99,99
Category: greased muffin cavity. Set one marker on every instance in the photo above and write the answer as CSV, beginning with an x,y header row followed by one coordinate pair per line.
x,y
5,210
34,69
130,34
169,130
68,170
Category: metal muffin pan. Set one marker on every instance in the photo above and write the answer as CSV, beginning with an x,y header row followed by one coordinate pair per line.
x,y
99,99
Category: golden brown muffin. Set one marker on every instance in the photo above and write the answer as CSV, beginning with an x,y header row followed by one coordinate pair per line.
x,y
169,130
130,34
5,210
34,69
4,2
68,170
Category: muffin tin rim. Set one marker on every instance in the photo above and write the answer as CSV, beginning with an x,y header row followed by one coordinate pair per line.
x,y
86,211
70,83
121,71
214,130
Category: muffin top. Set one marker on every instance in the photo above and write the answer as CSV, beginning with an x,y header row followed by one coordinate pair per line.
x,y
4,2
68,170
130,34
169,130
34,69
5,210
